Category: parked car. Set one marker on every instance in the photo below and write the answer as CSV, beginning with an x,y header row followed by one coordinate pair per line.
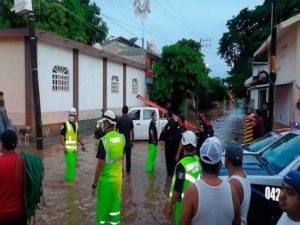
x,y
265,140
266,170
141,117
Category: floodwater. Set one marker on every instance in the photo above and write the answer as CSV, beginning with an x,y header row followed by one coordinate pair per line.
x,y
144,195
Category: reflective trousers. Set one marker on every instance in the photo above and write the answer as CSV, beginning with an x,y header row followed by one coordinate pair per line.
x,y
108,202
70,158
150,163
177,212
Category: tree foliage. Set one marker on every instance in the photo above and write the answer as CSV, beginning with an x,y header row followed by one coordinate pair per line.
x,y
78,20
181,73
246,32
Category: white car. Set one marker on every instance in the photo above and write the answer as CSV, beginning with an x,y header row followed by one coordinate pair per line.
x,y
141,117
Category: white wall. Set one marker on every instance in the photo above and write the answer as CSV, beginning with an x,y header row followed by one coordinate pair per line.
x,y
12,78
256,68
54,101
90,82
287,57
114,100
254,99
133,73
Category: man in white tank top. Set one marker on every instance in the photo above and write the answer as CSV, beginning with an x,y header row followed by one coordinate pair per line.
x,y
289,199
211,200
238,177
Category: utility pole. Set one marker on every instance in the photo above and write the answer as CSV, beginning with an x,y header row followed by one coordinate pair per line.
x,y
25,7
35,81
272,61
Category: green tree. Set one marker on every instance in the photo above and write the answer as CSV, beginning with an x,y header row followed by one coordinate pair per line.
x,y
246,32
78,20
180,72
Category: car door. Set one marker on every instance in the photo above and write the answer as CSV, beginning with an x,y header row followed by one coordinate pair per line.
x,y
135,115
146,122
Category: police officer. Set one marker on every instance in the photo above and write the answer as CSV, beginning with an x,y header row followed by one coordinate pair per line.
x,y
108,173
187,171
68,138
170,143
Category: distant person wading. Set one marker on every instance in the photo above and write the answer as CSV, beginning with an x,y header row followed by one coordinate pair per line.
x,y
69,136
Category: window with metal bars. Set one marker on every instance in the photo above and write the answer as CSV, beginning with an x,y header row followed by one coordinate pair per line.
x,y
115,84
135,86
60,78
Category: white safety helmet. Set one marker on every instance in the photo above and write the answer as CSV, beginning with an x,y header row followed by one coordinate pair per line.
x,y
109,115
73,111
189,137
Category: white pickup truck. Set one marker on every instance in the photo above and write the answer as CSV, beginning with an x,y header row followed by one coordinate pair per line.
x,y
141,117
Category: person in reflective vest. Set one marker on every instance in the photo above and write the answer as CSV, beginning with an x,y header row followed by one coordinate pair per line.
x,y
187,171
68,138
108,174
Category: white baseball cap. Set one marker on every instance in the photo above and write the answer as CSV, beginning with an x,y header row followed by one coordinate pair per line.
x,y
211,151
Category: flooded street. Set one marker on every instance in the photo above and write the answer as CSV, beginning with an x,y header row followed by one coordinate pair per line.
x,y
144,196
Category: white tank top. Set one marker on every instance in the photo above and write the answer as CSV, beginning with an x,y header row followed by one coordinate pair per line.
x,y
285,220
215,204
247,196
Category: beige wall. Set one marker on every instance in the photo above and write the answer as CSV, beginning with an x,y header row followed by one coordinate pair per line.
x,y
12,78
287,57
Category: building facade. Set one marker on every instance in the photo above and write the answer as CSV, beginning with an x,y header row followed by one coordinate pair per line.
x,y
287,86
70,74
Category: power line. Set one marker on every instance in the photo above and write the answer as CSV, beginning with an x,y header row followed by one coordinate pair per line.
x,y
124,11
82,20
179,13
118,21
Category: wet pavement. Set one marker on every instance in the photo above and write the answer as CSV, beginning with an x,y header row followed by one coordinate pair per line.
x,y
144,196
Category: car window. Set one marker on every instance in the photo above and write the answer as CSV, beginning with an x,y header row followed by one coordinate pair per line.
x,y
262,142
135,115
147,114
283,151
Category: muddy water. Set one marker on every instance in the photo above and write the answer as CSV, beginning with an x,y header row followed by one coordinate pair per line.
x,y
144,196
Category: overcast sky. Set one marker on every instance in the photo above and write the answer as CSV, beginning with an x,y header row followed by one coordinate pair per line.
x,y
172,20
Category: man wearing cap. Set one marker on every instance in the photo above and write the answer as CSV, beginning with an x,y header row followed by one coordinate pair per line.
x,y
289,199
69,136
108,173
187,171
238,177
211,200
12,181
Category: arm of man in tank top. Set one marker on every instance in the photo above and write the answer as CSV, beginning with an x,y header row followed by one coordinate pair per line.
x,y
238,187
101,154
189,206
236,207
